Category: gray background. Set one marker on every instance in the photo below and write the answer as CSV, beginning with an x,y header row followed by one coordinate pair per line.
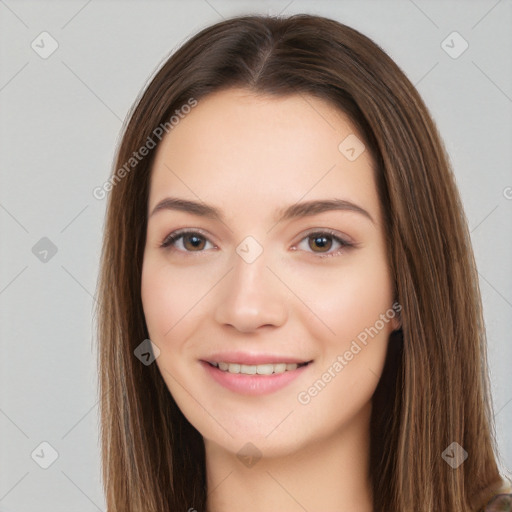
x,y
60,122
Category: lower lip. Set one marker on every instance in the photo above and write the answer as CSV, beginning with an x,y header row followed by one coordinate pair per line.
x,y
253,384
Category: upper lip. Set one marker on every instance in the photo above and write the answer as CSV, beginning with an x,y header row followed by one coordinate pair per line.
x,y
252,358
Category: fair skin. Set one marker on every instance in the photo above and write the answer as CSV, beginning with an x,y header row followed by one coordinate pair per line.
x,y
251,156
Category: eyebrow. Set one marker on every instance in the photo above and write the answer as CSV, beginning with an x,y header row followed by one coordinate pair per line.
x,y
304,209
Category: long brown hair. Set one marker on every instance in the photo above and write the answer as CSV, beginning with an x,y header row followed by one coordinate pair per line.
x,y
434,390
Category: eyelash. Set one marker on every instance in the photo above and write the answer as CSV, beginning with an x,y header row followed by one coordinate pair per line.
x,y
172,238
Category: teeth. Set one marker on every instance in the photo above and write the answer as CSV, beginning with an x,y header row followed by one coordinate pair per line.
x,y
234,368
280,368
251,369
265,369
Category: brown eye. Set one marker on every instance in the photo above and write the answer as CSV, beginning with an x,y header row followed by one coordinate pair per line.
x,y
185,241
193,242
321,243
324,242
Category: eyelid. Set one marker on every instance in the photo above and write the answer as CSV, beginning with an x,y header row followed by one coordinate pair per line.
x,y
328,231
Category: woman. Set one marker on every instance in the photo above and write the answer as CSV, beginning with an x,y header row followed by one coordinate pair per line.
x,y
285,242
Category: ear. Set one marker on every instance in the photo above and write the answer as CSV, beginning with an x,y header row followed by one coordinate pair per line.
x,y
396,321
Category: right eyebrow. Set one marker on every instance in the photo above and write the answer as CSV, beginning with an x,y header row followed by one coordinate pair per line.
x,y
185,205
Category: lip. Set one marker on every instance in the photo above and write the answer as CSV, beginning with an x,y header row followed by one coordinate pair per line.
x,y
251,358
253,384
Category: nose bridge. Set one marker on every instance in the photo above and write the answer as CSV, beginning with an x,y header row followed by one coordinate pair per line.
x,y
251,295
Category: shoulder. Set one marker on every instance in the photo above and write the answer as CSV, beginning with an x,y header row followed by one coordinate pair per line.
x,y
501,501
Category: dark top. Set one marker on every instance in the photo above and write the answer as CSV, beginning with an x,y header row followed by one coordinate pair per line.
x,y
499,503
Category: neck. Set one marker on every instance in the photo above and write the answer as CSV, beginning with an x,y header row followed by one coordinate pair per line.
x,y
329,474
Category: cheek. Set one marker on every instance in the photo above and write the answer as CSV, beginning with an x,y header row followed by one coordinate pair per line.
x,y
158,301
168,310
168,296
347,299
175,300
356,305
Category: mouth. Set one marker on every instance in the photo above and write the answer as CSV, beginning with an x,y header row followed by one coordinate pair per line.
x,y
255,379
257,369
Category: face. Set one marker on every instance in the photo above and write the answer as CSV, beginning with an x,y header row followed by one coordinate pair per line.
x,y
263,275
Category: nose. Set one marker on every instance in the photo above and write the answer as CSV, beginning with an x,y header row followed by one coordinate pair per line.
x,y
252,297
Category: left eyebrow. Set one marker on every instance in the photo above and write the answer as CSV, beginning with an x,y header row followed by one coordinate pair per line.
x,y
304,209
309,208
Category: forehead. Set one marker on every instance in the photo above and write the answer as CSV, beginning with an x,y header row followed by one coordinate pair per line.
x,y
259,149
